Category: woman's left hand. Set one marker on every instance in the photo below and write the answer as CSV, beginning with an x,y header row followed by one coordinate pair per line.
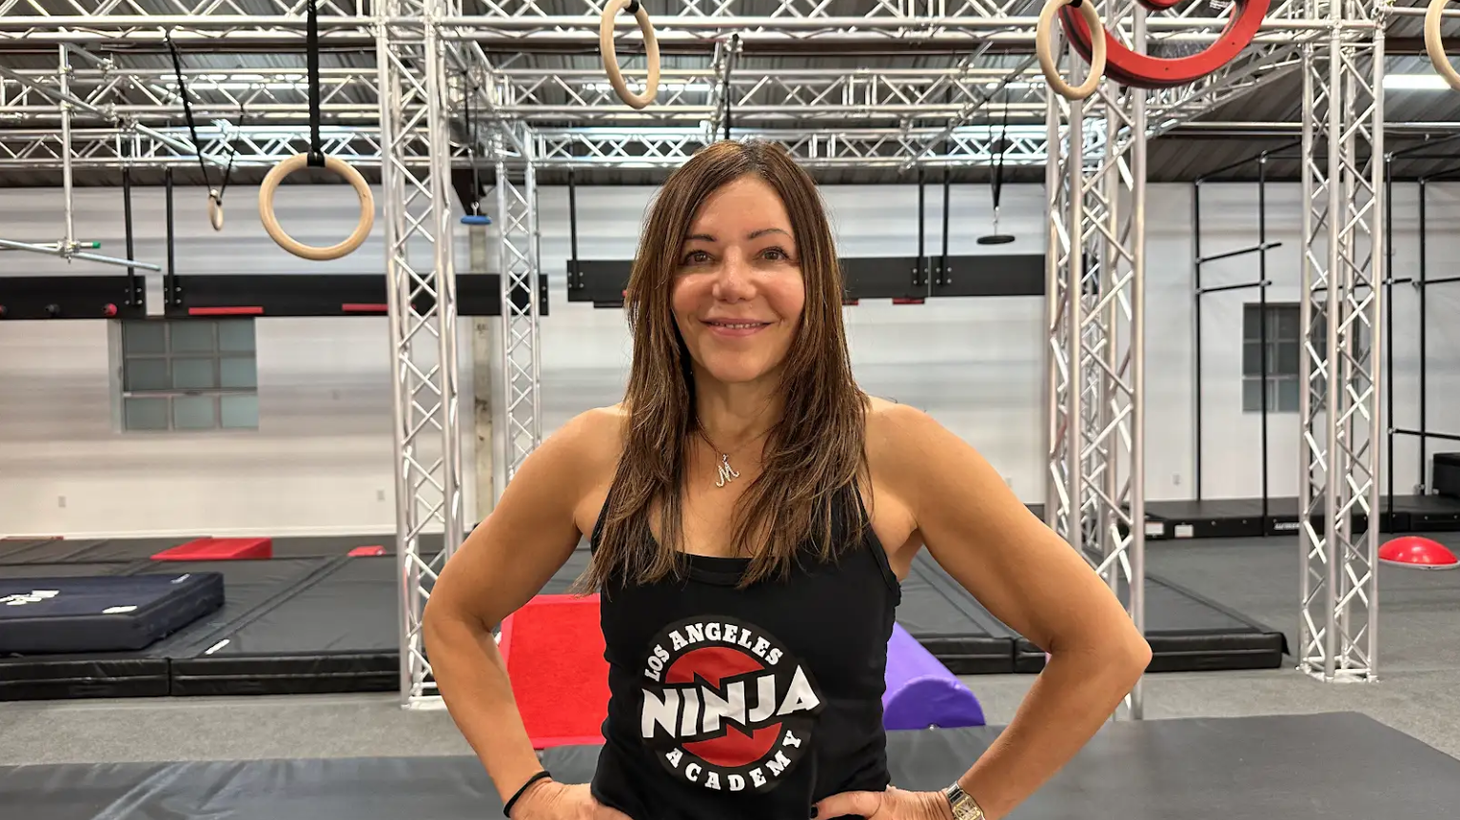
x,y
893,804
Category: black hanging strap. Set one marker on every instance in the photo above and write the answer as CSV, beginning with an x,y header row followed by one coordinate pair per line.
x,y
1003,147
232,154
729,67
311,35
182,90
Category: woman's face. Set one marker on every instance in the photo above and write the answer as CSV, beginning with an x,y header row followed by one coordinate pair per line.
x,y
738,293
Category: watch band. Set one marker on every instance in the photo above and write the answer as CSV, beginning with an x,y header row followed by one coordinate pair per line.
x,y
964,807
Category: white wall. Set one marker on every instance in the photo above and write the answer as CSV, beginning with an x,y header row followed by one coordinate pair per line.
x,y
322,460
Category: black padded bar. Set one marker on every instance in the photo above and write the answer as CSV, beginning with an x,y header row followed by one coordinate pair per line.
x,y
71,297
1426,434
1262,283
991,275
1258,248
1290,767
477,294
603,281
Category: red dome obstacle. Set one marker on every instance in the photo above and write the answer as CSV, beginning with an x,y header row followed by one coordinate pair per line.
x,y
1415,552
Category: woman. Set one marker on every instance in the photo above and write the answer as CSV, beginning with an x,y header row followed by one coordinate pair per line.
x,y
752,513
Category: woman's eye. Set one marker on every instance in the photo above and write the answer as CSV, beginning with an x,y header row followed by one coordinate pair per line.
x,y
695,257
777,254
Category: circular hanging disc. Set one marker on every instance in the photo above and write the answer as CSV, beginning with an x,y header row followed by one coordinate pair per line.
x,y
995,239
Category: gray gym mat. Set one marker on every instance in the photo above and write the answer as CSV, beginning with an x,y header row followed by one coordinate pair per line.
x,y
1310,767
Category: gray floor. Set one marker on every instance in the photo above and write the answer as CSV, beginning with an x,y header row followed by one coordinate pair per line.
x,y
1419,694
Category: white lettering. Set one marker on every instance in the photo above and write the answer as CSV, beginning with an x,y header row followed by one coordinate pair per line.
x,y
692,772
713,781
712,631
691,712
679,643
731,632
779,764
658,712
791,740
765,700
757,777
736,782
696,633
761,645
732,706
799,696
674,758
774,657
745,637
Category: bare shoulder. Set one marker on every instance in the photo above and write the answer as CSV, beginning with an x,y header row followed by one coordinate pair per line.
x,y
898,433
590,447
916,459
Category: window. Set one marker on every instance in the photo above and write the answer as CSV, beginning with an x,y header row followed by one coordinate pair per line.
x,y
189,374
1284,347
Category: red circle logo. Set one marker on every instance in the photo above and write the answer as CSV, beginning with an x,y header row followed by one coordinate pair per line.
x,y
725,705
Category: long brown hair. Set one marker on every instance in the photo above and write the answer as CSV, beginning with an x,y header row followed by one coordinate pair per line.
x,y
813,455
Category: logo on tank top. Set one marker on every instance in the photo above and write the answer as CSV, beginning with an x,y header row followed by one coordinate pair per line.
x,y
725,706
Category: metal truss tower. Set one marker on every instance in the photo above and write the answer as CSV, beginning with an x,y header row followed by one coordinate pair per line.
x,y
1343,149
1096,323
516,197
422,308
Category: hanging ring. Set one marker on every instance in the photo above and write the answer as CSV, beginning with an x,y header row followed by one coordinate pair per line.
x,y
1137,70
610,57
288,243
1045,52
215,209
1435,47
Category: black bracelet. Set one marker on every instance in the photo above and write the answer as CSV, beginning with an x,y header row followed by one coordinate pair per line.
x,y
507,809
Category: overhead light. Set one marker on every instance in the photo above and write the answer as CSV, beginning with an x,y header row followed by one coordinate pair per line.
x,y
1415,82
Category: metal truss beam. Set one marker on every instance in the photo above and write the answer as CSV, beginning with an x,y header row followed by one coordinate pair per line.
x,y
814,148
1095,254
414,115
1341,322
518,238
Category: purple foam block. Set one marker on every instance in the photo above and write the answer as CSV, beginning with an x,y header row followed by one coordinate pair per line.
x,y
921,692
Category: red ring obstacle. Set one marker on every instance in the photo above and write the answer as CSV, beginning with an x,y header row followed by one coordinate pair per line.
x,y
1144,71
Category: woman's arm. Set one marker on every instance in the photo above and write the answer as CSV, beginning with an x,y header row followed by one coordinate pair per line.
x,y
504,562
1033,581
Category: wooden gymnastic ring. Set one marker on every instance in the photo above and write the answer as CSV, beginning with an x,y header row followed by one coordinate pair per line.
x,y
215,209
1045,52
271,223
1435,47
1136,70
610,57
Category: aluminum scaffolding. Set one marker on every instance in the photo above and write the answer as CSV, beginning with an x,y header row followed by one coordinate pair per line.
x,y
414,120
1338,479
1095,496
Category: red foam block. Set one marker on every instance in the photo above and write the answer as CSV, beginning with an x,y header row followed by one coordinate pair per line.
x,y
553,647
367,552
219,549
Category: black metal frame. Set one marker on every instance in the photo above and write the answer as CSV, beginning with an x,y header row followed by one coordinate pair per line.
x,y
904,280
1421,282
1262,283
211,295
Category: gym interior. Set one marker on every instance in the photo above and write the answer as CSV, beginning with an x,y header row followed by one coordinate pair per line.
x,y
289,291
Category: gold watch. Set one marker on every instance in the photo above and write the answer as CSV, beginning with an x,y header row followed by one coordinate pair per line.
x,y
964,807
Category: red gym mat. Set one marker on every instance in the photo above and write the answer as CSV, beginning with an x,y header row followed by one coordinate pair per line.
x,y
553,647
219,549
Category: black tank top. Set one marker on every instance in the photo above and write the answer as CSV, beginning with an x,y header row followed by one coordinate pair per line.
x,y
747,704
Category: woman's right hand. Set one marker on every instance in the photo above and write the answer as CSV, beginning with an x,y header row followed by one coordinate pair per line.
x,y
550,800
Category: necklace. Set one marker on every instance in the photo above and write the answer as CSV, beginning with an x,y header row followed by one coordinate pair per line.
x,y
725,473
